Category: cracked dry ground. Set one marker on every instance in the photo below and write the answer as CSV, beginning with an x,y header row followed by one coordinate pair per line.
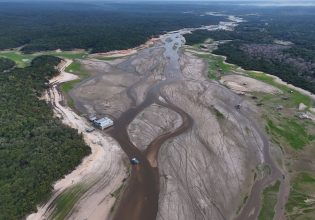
x,y
205,171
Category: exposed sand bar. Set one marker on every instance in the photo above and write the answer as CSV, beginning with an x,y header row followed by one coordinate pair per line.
x,y
103,170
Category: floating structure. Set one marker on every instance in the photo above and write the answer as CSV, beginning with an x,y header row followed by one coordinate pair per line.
x,y
103,123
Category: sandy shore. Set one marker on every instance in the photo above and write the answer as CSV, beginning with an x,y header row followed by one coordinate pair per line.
x,y
103,170
242,84
122,53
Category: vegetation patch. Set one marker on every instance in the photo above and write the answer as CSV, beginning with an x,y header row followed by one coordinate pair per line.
x,y
118,191
218,114
108,58
292,94
292,131
22,60
301,202
75,68
66,200
269,201
243,203
67,54
216,66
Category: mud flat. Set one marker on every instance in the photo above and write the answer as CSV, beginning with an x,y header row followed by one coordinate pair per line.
x,y
101,173
206,163
242,84
198,153
115,86
208,170
151,123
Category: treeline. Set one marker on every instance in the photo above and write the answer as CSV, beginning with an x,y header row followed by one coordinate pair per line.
x,y
278,67
36,149
90,26
279,41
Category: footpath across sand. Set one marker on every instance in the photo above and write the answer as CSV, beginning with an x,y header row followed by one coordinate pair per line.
x,y
102,171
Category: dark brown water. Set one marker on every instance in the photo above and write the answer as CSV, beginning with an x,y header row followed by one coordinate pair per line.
x,y
140,199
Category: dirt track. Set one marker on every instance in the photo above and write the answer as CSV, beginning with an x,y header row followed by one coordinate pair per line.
x,y
102,171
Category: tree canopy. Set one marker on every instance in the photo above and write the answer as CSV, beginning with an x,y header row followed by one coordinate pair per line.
x,y
36,149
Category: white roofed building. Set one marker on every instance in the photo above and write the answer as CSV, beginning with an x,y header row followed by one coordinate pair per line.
x,y
104,123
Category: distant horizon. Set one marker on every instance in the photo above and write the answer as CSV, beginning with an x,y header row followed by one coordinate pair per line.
x,y
240,2
192,1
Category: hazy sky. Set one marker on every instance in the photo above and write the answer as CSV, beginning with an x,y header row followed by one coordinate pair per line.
x,y
279,1
262,2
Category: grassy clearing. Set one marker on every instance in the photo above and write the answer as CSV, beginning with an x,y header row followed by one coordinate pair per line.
x,y
108,58
282,125
301,202
67,86
65,202
23,60
267,211
216,66
75,68
291,131
68,54
197,46
295,96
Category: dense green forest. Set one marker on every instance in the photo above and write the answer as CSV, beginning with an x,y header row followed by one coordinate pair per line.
x,y
36,149
96,27
279,41
6,64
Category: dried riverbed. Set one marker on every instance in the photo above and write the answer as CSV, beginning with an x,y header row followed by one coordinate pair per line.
x,y
198,153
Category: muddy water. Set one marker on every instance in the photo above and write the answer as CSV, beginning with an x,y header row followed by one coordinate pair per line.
x,y
252,207
140,199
